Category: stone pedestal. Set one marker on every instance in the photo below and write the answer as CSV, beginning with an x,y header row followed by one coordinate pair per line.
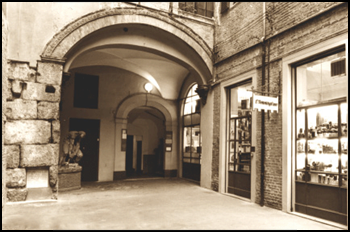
x,y
69,178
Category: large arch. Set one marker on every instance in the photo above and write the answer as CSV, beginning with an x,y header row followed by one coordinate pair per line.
x,y
63,41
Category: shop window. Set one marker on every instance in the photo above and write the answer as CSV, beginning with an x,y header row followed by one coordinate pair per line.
x,y
201,8
192,140
85,91
321,80
192,101
321,162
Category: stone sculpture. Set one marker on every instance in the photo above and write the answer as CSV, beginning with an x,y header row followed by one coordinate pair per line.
x,y
71,148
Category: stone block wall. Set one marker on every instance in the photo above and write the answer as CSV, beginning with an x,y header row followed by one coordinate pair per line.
x,y
302,25
4,90
32,127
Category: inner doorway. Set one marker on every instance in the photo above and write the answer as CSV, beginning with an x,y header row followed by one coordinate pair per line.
x,y
145,143
239,140
89,146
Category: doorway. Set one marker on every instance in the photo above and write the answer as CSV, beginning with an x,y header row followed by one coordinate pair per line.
x,y
129,155
89,146
145,143
239,127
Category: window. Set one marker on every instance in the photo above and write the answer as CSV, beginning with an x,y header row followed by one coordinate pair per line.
x,y
85,91
201,8
321,80
191,120
321,161
224,6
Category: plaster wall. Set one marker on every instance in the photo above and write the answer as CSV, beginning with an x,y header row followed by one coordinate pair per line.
x,y
36,23
207,141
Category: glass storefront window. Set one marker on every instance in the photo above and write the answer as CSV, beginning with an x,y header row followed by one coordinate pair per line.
x,y
237,95
191,103
192,143
321,80
321,121
301,123
344,118
321,161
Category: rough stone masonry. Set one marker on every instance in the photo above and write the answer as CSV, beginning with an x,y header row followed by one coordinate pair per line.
x,y
32,127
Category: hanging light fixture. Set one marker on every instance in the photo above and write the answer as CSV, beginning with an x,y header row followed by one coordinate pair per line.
x,y
148,87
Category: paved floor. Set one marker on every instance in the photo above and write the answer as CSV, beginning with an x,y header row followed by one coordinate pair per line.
x,y
153,203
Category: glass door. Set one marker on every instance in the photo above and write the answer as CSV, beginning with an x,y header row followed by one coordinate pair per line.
x,y
239,140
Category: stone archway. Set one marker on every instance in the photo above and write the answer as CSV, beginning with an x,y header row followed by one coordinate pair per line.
x,y
69,36
169,112
42,87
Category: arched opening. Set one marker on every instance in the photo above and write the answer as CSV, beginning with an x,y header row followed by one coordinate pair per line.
x,y
106,69
145,143
192,140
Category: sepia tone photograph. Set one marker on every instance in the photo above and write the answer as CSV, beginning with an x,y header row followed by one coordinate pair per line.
x,y
174,115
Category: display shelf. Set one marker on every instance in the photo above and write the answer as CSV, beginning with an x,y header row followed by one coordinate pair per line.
x,y
319,172
321,138
323,172
240,172
320,184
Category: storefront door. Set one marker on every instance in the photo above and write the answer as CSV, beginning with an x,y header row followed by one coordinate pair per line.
x,y
239,141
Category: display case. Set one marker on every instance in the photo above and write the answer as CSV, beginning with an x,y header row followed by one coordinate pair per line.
x,y
239,145
321,155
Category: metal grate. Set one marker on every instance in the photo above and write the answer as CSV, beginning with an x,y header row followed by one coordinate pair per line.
x,y
338,67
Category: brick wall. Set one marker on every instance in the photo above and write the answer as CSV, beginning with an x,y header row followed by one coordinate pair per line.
x,y
242,26
293,28
32,128
273,143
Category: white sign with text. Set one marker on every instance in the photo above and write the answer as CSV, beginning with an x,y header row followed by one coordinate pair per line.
x,y
265,103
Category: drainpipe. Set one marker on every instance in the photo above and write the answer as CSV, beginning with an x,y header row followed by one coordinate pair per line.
x,y
262,113
171,8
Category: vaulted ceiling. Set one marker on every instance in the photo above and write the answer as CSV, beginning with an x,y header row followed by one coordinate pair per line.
x,y
155,55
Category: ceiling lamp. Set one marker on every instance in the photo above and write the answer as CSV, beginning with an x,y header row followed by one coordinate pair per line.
x,y
148,87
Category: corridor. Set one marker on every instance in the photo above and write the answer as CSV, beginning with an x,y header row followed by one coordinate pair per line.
x,y
150,204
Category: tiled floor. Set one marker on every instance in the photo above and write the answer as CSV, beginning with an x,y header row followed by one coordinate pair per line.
x,y
150,203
